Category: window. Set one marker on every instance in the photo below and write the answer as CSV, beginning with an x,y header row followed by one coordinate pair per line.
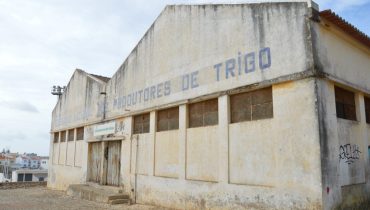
x,y
56,137
80,133
63,136
203,113
253,105
367,109
168,119
345,104
71,135
141,123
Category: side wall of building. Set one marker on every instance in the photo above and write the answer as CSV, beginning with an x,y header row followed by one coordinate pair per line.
x,y
195,53
344,143
80,104
252,164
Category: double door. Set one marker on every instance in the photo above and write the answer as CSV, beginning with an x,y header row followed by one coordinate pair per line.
x,y
105,162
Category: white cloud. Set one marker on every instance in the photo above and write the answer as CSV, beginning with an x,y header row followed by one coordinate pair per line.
x,y
19,106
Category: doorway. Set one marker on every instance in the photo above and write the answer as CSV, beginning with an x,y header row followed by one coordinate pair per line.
x,y
113,159
94,164
105,162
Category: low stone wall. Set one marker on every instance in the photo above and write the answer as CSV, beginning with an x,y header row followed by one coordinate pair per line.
x,y
14,185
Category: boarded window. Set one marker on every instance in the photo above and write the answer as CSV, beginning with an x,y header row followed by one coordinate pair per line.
x,y
203,113
141,123
345,104
168,119
63,136
367,109
56,137
253,105
80,133
71,135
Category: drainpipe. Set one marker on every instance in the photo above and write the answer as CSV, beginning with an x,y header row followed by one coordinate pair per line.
x,y
104,103
136,159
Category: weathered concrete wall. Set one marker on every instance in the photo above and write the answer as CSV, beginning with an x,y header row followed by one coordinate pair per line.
x,y
78,153
80,103
352,152
62,153
167,154
268,160
61,176
344,143
345,162
202,153
340,56
70,153
62,173
196,50
55,153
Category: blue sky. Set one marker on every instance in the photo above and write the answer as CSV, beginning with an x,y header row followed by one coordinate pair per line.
x,y
42,42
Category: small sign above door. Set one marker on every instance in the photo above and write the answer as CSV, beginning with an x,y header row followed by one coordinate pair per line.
x,y
105,129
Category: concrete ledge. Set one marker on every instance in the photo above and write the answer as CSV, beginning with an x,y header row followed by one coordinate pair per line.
x,y
98,194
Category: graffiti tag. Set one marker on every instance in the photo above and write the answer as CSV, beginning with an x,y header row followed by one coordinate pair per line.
x,y
349,153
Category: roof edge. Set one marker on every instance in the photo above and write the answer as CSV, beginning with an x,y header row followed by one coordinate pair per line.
x,y
346,27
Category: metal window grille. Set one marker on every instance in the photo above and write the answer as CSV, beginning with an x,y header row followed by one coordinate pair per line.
x,y
56,137
80,133
367,109
141,123
168,119
253,105
63,136
71,135
345,104
203,113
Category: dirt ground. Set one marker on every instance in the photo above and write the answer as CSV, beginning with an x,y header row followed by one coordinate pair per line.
x,y
41,198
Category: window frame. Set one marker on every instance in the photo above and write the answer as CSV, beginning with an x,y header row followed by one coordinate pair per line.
x,y
58,137
367,109
343,107
247,109
78,133
70,137
208,109
144,125
61,135
168,120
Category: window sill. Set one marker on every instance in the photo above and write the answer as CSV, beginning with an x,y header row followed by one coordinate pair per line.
x,y
353,122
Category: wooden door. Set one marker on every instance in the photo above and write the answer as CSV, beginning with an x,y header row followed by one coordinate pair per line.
x,y
113,163
95,161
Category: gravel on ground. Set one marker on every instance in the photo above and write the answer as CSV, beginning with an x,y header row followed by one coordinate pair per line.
x,y
42,198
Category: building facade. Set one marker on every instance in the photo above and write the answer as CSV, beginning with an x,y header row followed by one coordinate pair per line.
x,y
255,106
30,175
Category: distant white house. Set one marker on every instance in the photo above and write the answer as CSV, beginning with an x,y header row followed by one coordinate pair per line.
x,y
44,163
29,175
28,161
23,161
